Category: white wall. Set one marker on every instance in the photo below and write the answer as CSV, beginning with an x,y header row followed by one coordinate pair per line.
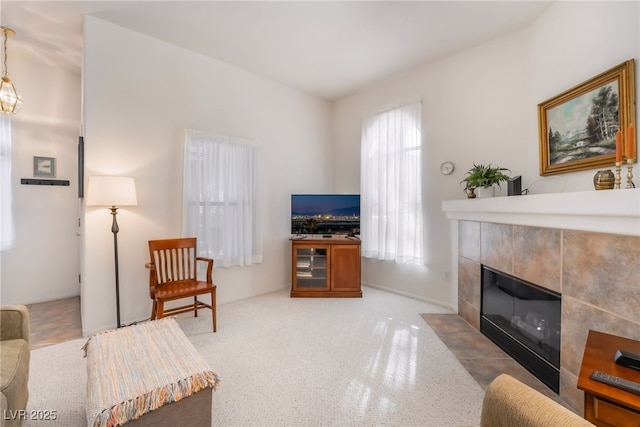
x,y
139,96
43,265
566,50
481,106
132,130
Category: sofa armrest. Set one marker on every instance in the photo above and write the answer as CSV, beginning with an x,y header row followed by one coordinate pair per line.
x,y
14,322
508,402
3,408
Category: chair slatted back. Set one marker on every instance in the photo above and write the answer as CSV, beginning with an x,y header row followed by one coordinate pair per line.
x,y
174,259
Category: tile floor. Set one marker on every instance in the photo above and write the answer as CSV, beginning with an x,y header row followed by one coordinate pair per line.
x,y
54,322
479,355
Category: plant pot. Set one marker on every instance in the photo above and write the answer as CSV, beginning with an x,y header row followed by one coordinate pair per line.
x,y
484,192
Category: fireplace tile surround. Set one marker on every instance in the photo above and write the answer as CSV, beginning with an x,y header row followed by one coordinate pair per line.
x,y
597,272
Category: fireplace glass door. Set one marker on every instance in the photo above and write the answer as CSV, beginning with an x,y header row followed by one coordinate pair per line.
x,y
523,319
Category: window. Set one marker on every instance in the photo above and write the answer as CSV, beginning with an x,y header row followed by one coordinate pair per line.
x,y
391,185
220,198
7,233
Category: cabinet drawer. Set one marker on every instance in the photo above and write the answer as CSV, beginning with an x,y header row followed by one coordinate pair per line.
x,y
612,414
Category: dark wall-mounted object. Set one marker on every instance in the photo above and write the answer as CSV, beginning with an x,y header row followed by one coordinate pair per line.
x,y
514,186
36,181
81,167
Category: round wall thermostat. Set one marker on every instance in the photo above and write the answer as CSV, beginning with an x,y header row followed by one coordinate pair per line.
x,y
446,168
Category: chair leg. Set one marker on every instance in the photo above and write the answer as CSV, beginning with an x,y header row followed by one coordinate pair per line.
x,y
195,306
160,310
153,310
213,309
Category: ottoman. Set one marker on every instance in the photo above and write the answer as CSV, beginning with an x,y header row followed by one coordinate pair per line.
x,y
147,374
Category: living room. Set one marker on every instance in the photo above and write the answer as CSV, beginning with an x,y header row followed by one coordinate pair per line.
x,y
137,95
506,77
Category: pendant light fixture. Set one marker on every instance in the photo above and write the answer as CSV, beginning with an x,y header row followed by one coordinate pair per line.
x,y
10,101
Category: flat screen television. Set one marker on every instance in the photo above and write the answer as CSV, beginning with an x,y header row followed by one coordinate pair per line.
x,y
325,214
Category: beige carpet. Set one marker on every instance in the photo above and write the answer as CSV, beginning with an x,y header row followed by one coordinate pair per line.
x,y
301,362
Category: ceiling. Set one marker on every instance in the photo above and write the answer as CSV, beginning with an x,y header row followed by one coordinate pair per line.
x,y
327,48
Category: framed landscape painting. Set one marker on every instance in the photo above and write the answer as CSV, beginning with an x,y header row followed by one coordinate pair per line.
x,y
577,129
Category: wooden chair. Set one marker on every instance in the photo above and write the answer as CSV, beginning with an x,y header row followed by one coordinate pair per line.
x,y
173,276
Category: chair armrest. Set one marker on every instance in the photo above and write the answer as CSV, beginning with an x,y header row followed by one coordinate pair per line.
x,y
509,402
209,262
14,322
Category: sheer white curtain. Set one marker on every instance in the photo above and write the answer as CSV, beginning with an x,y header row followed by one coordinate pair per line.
x,y
7,233
391,185
221,198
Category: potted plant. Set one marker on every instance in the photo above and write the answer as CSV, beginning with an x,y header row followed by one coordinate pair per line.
x,y
483,177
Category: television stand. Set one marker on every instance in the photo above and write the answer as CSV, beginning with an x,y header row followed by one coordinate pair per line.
x,y
325,267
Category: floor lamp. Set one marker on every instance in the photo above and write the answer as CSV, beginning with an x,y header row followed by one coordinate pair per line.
x,y
113,191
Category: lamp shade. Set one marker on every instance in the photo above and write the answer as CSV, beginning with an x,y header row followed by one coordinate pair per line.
x,y
111,191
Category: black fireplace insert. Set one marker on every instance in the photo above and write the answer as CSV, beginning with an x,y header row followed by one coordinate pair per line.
x,y
524,320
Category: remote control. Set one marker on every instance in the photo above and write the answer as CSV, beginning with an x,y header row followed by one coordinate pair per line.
x,y
621,383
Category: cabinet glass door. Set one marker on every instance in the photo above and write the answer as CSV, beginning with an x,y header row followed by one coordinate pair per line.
x,y
311,268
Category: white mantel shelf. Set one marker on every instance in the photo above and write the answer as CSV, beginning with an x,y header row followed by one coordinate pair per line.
x,y
605,211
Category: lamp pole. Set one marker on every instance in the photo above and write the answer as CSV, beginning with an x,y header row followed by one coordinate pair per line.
x,y
114,230
113,192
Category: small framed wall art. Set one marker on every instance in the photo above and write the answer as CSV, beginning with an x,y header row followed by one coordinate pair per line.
x,y
44,167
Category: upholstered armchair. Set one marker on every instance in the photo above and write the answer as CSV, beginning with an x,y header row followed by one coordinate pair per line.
x,y
509,402
14,364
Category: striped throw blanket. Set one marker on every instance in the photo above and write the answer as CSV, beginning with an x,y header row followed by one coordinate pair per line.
x,y
134,370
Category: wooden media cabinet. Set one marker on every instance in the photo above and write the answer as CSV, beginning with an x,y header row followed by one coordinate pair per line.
x,y
325,267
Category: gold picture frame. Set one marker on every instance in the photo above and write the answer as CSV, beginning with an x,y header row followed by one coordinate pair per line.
x,y
577,129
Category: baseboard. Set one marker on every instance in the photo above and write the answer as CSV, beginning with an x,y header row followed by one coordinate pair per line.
x,y
410,295
48,298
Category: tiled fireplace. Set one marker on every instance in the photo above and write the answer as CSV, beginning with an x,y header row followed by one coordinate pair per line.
x,y
592,261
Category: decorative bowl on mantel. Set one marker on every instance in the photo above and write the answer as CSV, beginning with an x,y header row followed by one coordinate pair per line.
x,y
604,180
